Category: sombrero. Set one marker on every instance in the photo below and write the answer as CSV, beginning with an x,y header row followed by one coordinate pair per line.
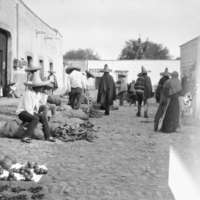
x,y
32,68
105,69
36,81
165,73
90,74
51,71
144,71
11,84
71,68
123,75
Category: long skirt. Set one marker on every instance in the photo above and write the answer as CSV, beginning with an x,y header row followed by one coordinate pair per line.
x,y
171,116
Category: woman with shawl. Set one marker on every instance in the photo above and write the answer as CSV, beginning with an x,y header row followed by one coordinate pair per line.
x,y
169,119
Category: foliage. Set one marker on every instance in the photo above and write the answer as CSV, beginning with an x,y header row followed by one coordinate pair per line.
x,y
136,49
81,54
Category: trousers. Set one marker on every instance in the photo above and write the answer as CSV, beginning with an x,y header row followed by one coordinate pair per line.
x,y
76,94
33,121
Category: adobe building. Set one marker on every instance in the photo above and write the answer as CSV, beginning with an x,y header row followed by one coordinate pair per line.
x,y
190,67
25,38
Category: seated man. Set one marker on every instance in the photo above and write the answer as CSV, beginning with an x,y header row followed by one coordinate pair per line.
x,y
11,91
29,106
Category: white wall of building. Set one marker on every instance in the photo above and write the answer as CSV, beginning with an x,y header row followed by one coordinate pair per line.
x,y
133,67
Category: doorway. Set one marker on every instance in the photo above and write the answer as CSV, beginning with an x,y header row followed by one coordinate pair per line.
x,y
41,73
3,62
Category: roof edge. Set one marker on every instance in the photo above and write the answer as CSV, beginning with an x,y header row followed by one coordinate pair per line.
x,y
40,18
190,41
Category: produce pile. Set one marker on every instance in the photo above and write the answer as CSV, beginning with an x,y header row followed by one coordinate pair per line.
x,y
92,113
7,189
11,171
82,131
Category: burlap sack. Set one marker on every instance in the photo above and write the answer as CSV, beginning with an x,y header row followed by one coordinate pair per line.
x,y
14,129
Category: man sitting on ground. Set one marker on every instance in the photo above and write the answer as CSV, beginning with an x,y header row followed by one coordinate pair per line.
x,y
29,106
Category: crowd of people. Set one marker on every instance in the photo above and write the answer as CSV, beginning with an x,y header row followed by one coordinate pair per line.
x,y
33,107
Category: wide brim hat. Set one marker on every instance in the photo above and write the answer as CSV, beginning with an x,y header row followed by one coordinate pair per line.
x,y
106,69
32,68
36,81
123,75
11,84
90,74
165,73
144,71
52,71
71,68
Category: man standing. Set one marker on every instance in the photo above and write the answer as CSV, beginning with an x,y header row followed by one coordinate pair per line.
x,y
53,80
143,89
123,88
165,76
76,84
106,93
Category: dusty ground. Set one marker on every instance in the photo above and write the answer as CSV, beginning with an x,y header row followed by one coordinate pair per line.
x,y
128,160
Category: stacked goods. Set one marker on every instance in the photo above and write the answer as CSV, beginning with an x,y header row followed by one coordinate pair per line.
x,y
78,132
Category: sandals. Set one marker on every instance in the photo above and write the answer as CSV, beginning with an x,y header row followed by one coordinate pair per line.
x,y
51,139
26,139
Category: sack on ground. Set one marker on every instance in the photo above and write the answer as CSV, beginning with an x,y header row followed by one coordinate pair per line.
x,y
14,129
53,100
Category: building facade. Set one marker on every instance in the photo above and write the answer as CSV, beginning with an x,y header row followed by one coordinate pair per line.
x,y
190,67
25,39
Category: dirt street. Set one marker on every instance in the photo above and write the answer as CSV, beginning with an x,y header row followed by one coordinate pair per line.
x,y
128,161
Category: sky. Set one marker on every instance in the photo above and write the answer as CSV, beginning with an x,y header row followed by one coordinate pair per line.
x,y
105,25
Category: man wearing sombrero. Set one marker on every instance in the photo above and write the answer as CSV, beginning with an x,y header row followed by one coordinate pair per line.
x,y
28,107
53,79
143,89
106,93
165,76
123,88
76,84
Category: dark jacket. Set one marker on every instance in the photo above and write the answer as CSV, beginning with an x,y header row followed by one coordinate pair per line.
x,y
106,84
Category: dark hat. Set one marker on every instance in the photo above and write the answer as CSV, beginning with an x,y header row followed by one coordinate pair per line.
x,y
52,71
11,84
105,69
165,73
71,68
90,74
123,75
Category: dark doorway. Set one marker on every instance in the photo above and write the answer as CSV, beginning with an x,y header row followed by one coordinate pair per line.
x,y
29,60
51,66
3,62
41,72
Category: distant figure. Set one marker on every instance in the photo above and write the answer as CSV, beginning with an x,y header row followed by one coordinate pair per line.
x,y
106,93
168,121
122,89
161,82
143,89
76,84
53,79
11,91
132,98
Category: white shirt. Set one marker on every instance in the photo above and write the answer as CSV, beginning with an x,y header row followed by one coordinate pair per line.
x,y
29,102
43,99
76,80
51,78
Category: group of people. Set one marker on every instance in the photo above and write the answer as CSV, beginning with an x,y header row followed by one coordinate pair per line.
x,y
168,93
33,107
